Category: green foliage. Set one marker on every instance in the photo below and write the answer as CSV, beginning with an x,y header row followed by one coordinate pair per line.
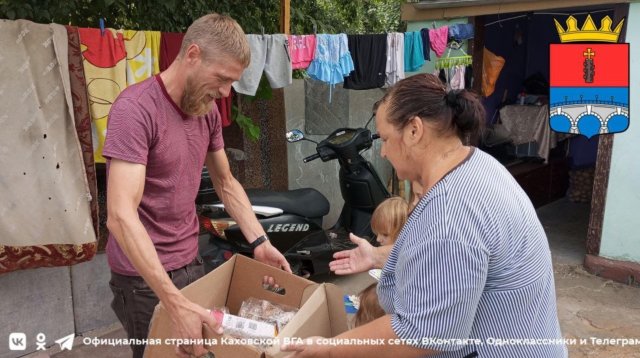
x,y
328,16
348,16
255,16
251,130
245,123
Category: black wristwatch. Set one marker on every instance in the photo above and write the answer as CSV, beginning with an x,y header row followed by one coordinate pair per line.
x,y
258,242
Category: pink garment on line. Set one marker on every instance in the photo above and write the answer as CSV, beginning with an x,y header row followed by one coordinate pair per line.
x,y
302,49
439,38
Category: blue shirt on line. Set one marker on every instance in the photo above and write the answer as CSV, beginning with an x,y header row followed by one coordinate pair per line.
x,y
473,262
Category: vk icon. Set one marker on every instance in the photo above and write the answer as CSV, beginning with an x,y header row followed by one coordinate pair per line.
x,y
17,341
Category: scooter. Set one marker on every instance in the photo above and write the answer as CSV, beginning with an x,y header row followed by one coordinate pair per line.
x,y
293,219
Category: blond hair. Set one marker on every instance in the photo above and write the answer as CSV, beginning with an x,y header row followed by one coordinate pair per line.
x,y
217,35
390,216
369,308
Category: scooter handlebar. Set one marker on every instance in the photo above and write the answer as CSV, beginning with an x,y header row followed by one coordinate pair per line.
x,y
311,157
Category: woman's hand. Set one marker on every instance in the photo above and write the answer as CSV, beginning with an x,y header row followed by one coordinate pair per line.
x,y
355,260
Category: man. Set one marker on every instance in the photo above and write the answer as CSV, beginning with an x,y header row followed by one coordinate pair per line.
x,y
160,133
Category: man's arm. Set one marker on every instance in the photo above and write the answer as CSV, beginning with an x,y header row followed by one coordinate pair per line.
x,y
237,204
124,193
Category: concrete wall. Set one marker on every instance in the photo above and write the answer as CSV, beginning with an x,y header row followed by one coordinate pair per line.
x,y
620,237
317,174
55,301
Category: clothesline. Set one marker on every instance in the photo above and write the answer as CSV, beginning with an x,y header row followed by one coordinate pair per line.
x,y
359,61
87,70
330,56
546,13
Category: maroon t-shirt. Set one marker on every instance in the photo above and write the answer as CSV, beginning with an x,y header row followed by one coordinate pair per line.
x,y
146,127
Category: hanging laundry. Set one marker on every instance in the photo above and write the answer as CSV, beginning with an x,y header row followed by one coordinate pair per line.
x,y
426,44
461,32
456,78
413,52
269,53
105,71
395,58
302,49
468,77
369,54
224,107
143,52
170,43
492,65
442,75
83,119
439,38
332,61
40,152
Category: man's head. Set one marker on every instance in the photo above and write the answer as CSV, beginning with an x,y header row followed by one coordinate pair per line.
x,y
214,52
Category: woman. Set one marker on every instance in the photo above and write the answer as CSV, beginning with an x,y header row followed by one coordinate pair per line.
x,y
472,266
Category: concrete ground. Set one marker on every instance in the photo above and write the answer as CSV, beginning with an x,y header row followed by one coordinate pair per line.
x,y
589,307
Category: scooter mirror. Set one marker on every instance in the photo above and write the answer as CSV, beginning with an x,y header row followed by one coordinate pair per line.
x,y
295,135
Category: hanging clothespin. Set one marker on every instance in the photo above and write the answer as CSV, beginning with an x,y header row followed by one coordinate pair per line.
x,y
433,24
262,29
453,44
315,29
101,26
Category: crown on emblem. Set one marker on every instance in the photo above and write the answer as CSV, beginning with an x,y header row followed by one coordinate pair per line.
x,y
589,32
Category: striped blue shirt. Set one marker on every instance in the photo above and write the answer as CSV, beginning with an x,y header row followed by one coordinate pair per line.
x,y
471,270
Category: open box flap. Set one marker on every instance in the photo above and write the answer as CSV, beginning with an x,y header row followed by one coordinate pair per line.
x,y
322,314
335,305
247,282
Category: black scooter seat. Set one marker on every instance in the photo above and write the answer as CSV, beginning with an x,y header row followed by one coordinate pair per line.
x,y
305,202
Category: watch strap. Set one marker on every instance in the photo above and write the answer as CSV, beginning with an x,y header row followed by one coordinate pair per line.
x,y
259,241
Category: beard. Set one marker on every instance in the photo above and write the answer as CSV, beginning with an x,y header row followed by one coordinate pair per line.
x,y
196,101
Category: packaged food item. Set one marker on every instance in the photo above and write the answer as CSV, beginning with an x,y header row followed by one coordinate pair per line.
x,y
265,311
241,327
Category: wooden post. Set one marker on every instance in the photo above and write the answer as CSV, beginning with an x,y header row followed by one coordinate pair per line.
x,y
281,123
285,16
477,50
603,164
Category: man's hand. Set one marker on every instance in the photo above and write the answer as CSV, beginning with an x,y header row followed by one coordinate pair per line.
x,y
269,255
237,204
307,349
355,260
188,319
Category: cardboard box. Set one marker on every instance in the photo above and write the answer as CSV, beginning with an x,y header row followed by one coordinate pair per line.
x,y
321,310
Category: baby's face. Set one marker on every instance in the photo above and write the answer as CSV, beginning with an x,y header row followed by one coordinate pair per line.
x,y
384,239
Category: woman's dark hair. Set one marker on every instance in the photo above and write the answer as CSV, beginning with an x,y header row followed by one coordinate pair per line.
x,y
425,96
